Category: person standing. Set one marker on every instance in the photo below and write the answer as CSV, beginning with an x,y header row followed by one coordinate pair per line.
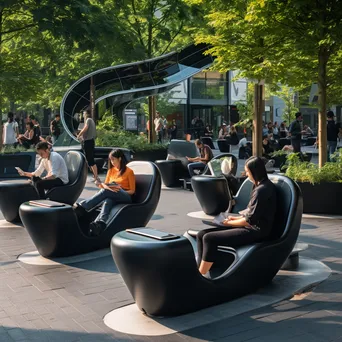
x,y
173,130
10,131
158,127
55,128
295,132
53,164
332,134
87,136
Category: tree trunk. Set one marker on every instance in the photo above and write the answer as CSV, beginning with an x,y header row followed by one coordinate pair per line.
x,y
323,58
1,14
151,117
259,108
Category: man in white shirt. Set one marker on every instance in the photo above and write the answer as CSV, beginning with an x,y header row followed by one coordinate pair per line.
x,y
53,164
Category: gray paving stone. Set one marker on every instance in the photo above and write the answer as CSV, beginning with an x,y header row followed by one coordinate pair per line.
x,y
67,303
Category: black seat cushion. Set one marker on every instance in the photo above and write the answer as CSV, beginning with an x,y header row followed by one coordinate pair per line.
x,y
284,199
74,163
77,171
142,188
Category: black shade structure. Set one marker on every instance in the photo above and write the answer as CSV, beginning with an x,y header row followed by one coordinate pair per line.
x,y
126,82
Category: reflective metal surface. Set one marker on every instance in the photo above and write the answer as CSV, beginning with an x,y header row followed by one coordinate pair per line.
x,y
124,83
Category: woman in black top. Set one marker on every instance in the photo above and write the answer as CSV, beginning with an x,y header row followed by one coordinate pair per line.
x,y
254,224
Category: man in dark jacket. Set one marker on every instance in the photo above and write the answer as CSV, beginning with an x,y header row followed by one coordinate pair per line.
x,y
332,134
295,132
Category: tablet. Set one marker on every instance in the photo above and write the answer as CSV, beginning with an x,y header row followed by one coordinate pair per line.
x,y
152,233
46,204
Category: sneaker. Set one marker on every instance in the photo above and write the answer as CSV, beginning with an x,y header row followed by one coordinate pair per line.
x,y
96,228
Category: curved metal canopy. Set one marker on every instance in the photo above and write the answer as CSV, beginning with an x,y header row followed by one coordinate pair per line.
x,y
126,82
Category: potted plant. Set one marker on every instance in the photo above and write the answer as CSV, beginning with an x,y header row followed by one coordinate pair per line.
x,y
11,157
321,187
280,157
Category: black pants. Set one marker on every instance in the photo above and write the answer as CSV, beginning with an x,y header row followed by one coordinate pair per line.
x,y
159,136
296,145
88,148
209,239
45,184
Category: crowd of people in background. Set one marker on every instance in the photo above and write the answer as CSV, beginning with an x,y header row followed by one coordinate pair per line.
x,y
31,135
165,131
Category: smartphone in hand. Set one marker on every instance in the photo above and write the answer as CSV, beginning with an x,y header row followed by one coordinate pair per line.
x,y
20,171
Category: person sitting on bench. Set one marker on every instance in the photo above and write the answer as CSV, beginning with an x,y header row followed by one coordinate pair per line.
x,y
53,164
118,187
254,224
199,163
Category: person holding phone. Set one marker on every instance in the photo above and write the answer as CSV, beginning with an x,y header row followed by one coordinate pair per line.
x,y
118,187
27,139
53,164
254,224
199,163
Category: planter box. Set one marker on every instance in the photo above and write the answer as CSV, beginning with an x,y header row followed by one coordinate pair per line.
x,y
25,160
323,198
150,155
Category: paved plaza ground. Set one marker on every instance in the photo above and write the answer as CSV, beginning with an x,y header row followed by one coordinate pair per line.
x,y
68,302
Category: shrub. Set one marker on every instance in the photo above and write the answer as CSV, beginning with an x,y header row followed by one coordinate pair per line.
x,y
9,149
309,172
127,140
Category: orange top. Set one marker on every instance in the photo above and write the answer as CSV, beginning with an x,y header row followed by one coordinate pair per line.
x,y
127,180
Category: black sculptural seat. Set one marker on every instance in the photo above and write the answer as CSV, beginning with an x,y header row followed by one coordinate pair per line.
x,y
163,276
223,145
57,232
13,193
208,141
212,193
172,171
213,190
77,172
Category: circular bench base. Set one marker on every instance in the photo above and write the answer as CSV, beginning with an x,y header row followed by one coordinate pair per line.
x,y
284,285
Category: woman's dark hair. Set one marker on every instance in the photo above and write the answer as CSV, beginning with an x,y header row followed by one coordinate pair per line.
x,y
10,116
30,124
117,153
257,168
42,146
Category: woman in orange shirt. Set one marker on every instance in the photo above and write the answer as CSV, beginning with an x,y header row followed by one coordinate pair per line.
x,y
118,187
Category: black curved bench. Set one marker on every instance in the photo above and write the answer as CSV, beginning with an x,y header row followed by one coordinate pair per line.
x,y
223,145
57,232
208,141
213,191
14,193
163,276
175,167
223,156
